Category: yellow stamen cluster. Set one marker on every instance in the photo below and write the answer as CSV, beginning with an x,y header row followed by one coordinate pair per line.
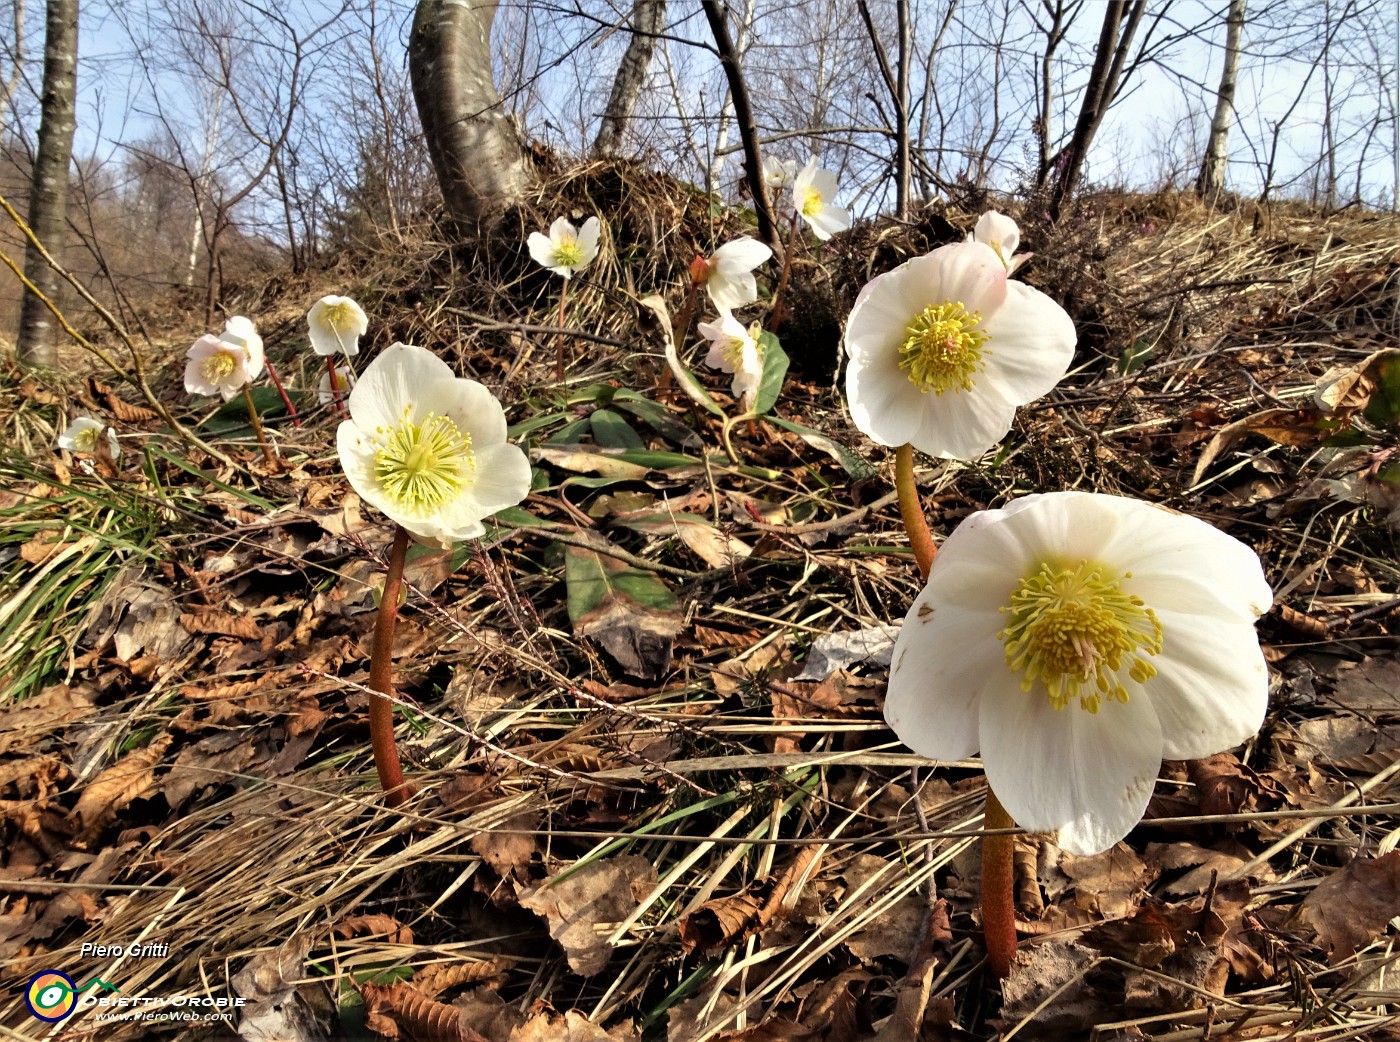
x,y
424,465
86,439
812,202
942,348
339,317
218,367
1076,631
567,253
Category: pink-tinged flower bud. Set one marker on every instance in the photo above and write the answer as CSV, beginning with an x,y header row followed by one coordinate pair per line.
x,y
699,271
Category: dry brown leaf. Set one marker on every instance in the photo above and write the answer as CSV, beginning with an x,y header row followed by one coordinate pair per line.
x,y
1371,687
383,926
128,779
509,851
401,1011
1283,426
730,920
1350,908
124,411
1205,866
570,1026
583,900
487,1013
210,761
221,624
433,980
21,725
894,931
1107,884
1224,785
1341,738
798,701
1053,969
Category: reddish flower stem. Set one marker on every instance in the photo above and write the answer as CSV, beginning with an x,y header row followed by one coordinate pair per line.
x,y
277,382
381,680
775,318
256,421
912,511
998,888
335,387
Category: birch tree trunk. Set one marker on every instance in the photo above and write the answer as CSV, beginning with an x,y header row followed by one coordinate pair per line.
x,y
477,154
1211,181
648,19
48,193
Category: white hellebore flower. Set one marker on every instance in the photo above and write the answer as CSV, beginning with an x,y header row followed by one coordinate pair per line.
x,y
1076,640
566,249
344,379
945,347
429,449
779,173
1000,233
336,324
728,275
813,190
85,434
223,364
733,349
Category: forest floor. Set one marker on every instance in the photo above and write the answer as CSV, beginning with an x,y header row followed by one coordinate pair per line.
x,y
675,811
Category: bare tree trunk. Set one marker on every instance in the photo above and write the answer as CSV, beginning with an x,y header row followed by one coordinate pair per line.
x,y
648,19
897,83
1062,16
1211,181
7,89
1109,59
48,194
715,168
477,153
743,116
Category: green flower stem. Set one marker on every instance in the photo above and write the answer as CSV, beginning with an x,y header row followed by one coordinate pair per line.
x,y
998,888
911,510
559,343
256,421
381,680
277,382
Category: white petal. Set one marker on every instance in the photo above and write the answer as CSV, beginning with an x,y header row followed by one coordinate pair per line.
x,y
1181,563
562,229
742,255
1069,525
474,410
1089,775
829,221
392,385
732,291
884,404
943,658
541,249
1212,686
962,424
1030,344
588,240
998,231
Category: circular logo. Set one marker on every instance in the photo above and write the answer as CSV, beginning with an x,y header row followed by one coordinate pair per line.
x,y
51,995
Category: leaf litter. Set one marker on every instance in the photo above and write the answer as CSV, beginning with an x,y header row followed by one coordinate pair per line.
x,y
659,798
